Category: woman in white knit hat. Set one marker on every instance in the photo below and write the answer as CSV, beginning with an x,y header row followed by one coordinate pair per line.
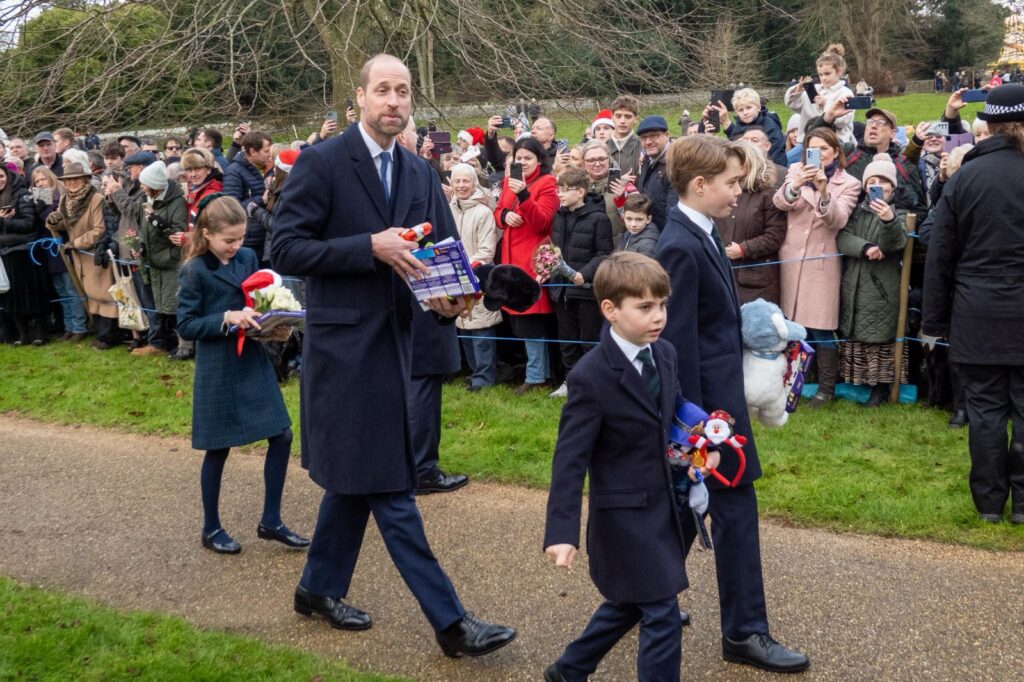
x,y
870,291
164,214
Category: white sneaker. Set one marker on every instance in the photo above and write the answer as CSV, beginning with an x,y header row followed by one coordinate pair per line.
x,y
560,392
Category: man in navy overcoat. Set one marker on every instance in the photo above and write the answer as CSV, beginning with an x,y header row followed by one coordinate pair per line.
x,y
339,225
704,326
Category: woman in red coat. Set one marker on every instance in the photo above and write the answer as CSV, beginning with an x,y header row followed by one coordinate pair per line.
x,y
525,211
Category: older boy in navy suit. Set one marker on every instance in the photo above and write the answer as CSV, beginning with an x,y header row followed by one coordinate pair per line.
x,y
705,328
615,427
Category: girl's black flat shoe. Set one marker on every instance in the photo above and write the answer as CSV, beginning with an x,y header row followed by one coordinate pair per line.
x,y
282,534
228,546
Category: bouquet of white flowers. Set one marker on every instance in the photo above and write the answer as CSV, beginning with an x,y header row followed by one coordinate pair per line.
x,y
266,293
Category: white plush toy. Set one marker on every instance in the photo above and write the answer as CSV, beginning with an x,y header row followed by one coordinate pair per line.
x,y
767,374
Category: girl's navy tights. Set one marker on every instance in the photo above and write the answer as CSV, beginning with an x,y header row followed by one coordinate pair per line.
x,y
275,467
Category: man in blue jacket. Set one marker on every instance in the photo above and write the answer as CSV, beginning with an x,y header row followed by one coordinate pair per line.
x,y
339,224
244,180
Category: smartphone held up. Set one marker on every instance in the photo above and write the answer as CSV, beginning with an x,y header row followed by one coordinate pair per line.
x,y
813,157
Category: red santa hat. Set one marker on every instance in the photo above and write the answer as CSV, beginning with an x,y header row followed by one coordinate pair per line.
x,y
286,159
603,118
476,135
465,135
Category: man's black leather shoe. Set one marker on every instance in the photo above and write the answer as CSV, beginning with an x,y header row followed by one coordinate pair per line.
x,y
958,420
684,617
229,546
761,651
553,674
473,637
335,611
438,481
283,534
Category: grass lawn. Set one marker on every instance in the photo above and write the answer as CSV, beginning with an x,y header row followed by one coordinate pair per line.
x,y
895,471
50,636
909,110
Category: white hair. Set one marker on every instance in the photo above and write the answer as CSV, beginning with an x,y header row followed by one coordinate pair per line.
x,y
464,169
74,155
978,126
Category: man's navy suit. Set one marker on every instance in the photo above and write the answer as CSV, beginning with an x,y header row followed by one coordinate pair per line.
x,y
357,358
615,431
704,326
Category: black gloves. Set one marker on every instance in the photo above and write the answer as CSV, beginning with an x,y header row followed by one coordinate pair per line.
x,y
101,258
159,223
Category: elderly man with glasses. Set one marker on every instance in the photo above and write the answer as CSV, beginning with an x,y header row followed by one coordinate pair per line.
x,y
880,138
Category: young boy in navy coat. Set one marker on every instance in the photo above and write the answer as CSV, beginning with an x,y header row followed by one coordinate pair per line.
x,y
615,426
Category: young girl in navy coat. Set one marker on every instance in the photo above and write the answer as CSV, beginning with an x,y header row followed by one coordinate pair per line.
x,y
236,399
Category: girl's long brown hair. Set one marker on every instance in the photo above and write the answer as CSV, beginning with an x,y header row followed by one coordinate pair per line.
x,y
221,213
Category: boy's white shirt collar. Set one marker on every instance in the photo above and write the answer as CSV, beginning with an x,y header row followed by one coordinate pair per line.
x,y
630,350
699,219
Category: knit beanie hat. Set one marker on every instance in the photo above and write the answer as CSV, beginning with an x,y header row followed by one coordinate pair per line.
x,y
793,123
154,176
880,167
286,159
603,118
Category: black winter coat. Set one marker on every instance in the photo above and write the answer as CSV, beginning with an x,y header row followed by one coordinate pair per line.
x,y
244,181
910,194
772,126
974,276
654,182
19,229
585,239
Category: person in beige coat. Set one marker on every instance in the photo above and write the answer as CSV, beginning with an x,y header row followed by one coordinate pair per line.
x,y
818,202
473,209
79,217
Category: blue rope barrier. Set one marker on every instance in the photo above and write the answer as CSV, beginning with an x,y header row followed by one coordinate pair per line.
x,y
49,245
788,260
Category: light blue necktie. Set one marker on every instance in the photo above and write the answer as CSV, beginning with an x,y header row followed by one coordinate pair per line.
x,y
385,163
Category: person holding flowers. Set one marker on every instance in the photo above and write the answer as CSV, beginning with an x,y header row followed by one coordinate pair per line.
x,y
236,399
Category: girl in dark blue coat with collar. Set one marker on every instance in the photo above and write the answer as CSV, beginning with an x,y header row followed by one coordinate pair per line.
x,y
236,399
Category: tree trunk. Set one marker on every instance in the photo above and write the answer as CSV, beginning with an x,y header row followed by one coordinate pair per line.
x,y
339,40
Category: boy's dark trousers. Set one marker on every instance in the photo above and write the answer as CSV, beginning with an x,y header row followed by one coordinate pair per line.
x,y
659,651
578,320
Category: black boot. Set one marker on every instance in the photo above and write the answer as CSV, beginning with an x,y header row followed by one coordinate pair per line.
x,y
22,324
879,395
828,367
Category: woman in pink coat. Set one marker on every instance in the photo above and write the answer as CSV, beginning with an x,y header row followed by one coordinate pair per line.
x,y
818,201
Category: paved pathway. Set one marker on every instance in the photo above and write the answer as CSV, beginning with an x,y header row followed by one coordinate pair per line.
x,y
117,517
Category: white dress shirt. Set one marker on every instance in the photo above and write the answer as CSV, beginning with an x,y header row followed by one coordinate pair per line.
x,y
631,350
375,151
